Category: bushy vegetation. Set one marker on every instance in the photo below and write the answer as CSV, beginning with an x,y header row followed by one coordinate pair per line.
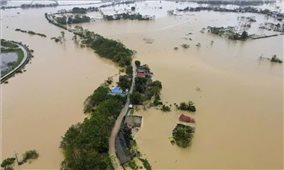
x,y
132,165
8,163
85,145
29,155
165,108
275,59
137,63
186,106
100,95
124,82
136,98
229,32
183,135
146,164
74,19
126,16
53,22
108,48
30,32
145,89
129,70
8,44
78,10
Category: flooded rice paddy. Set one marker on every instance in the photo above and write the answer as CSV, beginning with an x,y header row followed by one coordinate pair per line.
x,y
7,59
239,98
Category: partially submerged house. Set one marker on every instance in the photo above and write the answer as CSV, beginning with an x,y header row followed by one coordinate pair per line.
x,y
185,118
143,71
122,151
116,90
123,141
133,121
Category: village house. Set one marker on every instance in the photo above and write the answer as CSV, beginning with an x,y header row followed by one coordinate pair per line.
x,y
143,71
116,90
133,121
187,119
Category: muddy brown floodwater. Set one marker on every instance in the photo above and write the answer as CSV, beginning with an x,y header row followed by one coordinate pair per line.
x,y
239,118
43,102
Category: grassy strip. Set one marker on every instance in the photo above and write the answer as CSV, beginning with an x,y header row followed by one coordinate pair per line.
x,y
8,44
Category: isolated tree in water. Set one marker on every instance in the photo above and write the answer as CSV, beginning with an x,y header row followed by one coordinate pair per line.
x,y
244,35
62,34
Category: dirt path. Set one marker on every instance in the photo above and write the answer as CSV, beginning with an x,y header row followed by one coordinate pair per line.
x,y
117,125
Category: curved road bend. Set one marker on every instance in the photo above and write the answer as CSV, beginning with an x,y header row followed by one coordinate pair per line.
x,y
21,63
118,122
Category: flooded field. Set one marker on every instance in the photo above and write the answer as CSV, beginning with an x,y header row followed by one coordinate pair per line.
x,y
43,102
6,59
239,118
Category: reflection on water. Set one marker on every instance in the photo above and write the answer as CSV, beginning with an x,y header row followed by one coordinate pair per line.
x,y
239,116
6,59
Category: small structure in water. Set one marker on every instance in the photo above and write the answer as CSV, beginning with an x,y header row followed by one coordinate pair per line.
x,y
187,119
133,121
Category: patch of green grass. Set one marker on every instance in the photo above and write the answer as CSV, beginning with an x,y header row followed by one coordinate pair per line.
x,y
8,44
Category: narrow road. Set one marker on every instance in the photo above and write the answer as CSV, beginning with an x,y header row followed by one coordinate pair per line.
x,y
18,66
117,125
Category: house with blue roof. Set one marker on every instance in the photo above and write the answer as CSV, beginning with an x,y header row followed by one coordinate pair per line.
x,y
116,90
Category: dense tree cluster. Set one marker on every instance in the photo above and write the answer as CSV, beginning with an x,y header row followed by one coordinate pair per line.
x,y
8,163
85,145
248,9
124,82
8,44
108,48
74,19
145,89
29,155
275,59
78,10
124,16
186,106
235,2
229,32
100,95
182,135
30,32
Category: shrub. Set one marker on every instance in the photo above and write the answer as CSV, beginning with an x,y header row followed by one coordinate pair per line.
x,y
183,135
136,98
8,162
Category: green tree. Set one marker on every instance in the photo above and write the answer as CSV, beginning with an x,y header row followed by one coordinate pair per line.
x,y
183,135
8,163
99,95
244,35
124,82
62,34
136,98
129,70
137,63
